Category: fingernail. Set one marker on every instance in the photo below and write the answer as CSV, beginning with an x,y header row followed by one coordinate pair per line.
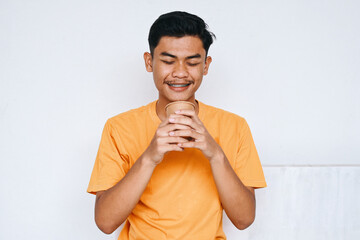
x,y
179,144
178,111
171,119
171,133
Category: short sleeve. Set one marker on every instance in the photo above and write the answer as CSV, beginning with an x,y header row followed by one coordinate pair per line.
x,y
111,165
247,164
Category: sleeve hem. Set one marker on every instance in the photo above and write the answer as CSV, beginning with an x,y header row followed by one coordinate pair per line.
x,y
255,183
93,189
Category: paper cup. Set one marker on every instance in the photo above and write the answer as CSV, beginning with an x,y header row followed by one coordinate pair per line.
x,y
178,105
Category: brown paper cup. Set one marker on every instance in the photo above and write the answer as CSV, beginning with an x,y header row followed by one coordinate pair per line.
x,y
178,105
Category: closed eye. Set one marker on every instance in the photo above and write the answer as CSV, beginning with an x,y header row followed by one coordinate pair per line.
x,y
193,64
167,62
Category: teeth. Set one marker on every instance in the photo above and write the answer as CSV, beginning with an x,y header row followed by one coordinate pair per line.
x,y
179,85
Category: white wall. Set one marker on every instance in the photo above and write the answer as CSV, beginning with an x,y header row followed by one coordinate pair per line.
x,y
291,68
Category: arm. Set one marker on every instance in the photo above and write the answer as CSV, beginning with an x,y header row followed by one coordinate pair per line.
x,y
114,205
237,199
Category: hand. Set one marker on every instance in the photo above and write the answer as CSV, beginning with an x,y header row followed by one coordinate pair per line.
x,y
202,139
164,141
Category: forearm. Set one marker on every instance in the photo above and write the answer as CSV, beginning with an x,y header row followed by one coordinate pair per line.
x,y
238,201
114,205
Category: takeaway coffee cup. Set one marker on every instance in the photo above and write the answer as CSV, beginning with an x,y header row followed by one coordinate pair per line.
x,y
178,105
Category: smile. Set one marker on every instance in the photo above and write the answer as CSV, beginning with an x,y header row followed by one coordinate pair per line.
x,y
179,85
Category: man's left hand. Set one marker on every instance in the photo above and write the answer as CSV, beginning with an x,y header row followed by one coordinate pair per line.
x,y
201,139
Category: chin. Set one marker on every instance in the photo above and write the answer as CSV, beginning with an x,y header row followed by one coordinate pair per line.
x,y
180,99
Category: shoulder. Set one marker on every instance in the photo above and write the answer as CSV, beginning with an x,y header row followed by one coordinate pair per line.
x,y
131,117
211,113
227,128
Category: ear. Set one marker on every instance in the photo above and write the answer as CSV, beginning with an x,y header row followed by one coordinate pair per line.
x,y
148,62
207,64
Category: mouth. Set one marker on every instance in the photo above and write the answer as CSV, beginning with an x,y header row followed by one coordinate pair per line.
x,y
179,86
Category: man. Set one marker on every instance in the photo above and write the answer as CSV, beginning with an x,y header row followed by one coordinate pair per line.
x,y
171,177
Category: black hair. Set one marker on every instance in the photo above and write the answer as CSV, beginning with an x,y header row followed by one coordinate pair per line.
x,y
179,24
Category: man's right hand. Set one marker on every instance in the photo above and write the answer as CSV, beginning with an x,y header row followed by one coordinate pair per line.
x,y
163,141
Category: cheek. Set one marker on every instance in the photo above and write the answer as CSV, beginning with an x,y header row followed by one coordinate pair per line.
x,y
162,71
198,72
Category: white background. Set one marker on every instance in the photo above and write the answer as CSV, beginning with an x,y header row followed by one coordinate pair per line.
x,y
291,68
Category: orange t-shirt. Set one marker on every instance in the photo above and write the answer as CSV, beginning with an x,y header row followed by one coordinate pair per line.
x,y
181,200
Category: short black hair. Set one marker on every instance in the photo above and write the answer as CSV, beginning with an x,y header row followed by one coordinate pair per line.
x,y
179,24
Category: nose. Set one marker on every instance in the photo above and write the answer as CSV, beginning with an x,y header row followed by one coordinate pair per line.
x,y
180,71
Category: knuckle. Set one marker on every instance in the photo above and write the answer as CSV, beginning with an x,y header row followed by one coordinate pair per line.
x,y
188,144
178,126
175,147
158,141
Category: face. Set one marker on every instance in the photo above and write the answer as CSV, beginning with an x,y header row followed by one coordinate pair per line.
x,y
178,66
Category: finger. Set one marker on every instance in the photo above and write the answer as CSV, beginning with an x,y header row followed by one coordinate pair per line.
x,y
171,116
190,144
185,120
187,133
172,127
191,114
166,121
172,140
176,126
187,112
164,130
172,147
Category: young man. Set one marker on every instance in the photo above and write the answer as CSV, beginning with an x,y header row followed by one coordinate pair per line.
x,y
147,171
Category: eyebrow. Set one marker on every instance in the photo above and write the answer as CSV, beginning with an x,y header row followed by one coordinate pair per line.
x,y
173,56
